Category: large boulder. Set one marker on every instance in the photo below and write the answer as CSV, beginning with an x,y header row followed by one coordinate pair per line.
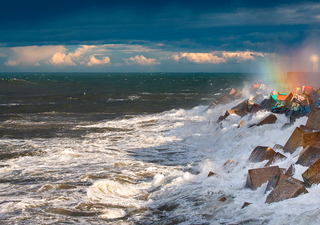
x,y
311,139
286,189
312,174
257,177
314,118
308,156
268,120
295,140
261,153
276,157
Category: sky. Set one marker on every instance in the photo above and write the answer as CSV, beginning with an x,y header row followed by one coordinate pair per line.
x,y
159,36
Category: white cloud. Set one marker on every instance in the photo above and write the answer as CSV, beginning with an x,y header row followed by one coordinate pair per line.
x,y
37,64
93,61
140,59
30,55
60,58
216,57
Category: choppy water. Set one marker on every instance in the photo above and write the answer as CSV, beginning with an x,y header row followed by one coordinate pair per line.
x,y
134,149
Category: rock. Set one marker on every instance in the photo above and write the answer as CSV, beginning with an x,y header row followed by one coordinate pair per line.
x,y
256,177
231,92
223,199
308,156
290,171
268,120
246,204
261,153
277,146
241,106
311,139
276,157
230,112
229,165
237,94
312,174
286,125
220,119
275,181
308,129
211,174
286,189
241,124
314,118
258,98
265,104
295,140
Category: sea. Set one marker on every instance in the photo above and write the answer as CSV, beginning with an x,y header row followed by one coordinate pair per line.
x,y
137,148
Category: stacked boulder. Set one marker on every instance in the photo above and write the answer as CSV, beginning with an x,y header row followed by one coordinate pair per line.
x,y
280,183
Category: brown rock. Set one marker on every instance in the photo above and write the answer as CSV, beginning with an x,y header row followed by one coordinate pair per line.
x,y
308,156
308,129
223,199
312,139
268,120
275,181
276,157
232,92
290,171
314,118
238,94
229,165
312,174
256,177
277,146
222,100
220,119
261,153
211,174
246,204
295,140
241,106
288,188
241,124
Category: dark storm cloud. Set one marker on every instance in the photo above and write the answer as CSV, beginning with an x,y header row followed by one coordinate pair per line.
x,y
206,24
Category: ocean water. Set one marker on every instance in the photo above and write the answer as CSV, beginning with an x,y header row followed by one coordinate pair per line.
x,y
135,149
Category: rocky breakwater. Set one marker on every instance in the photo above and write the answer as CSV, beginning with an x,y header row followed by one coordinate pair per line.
x,y
280,182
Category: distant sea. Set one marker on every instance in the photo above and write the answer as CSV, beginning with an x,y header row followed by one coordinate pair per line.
x,y
127,148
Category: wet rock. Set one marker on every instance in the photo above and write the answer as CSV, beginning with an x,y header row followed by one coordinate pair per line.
x,y
211,174
265,104
237,94
229,165
312,174
223,199
223,100
276,157
311,139
308,129
295,140
314,118
246,204
241,106
308,156
277,146
231,112
261,153
271,119
275,181
286,189
257,177
286,125
241,124
290,171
